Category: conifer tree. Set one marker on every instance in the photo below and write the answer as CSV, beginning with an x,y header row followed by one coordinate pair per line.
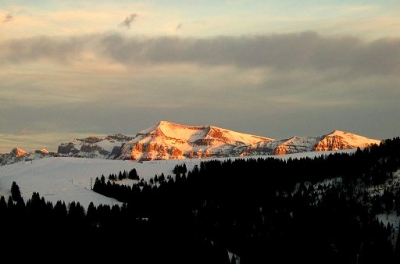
x,y
3,205
15,192
133,174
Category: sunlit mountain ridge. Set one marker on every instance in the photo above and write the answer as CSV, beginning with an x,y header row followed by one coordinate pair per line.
x,y
166,140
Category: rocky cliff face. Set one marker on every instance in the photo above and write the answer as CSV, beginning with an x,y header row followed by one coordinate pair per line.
x,y
94,147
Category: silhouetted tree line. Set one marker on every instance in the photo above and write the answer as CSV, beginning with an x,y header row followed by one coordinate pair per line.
x,y
313,210
132,175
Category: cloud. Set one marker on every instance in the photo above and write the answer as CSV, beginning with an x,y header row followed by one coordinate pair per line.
x,y
128,20
8,18
281,53
284,52
41,48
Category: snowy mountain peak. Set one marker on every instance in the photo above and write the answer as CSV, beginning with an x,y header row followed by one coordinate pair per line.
x,y
17,152
343,140
19,155
44,151
167,140
171,131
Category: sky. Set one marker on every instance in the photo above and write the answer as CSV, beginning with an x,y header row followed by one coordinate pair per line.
x,y
72,69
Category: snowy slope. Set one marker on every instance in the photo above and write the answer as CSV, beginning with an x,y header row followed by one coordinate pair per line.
x,y
70,179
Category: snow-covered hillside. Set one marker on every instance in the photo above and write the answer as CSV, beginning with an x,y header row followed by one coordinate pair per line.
x,y
70,179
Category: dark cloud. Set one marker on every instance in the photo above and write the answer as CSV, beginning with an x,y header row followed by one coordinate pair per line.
x,y
286,52
307,51
40,48
8,18
128,20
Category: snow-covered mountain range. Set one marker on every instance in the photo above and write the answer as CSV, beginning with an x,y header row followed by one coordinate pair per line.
x,y
167,140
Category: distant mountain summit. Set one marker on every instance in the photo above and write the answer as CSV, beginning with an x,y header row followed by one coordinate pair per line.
x,y
167,140
94,147
343,140
18,155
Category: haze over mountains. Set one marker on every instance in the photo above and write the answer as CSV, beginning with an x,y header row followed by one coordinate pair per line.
x,y
167,140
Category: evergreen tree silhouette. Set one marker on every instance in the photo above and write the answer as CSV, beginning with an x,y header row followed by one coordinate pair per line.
x,y
133,174
15,192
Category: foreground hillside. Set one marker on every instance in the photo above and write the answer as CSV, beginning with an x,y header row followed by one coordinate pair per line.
x,y
334,208
71,179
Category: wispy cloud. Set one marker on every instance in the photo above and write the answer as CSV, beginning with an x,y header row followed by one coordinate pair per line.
x,y
128,20
41,48
8,18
